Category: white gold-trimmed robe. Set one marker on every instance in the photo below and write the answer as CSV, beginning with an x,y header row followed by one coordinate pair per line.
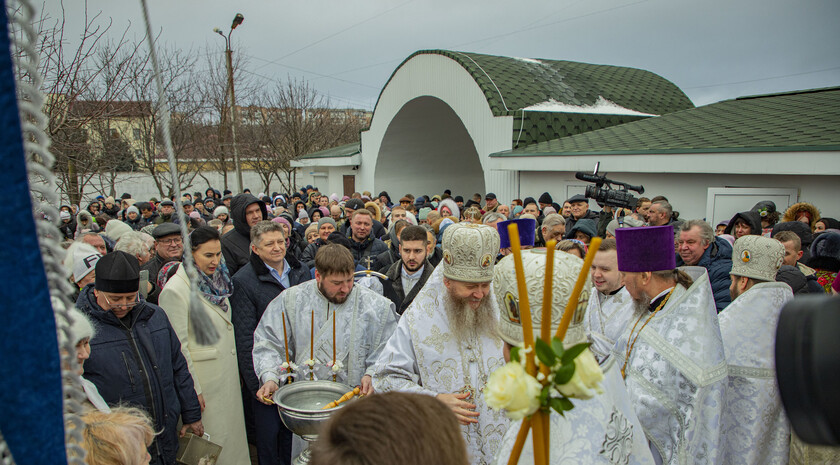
x,y
606,319
755,429
364,323
676,375
424,357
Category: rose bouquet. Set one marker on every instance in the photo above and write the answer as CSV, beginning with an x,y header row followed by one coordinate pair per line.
x,y
572,373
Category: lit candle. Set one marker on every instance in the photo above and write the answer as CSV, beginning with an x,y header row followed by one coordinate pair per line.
x,y
575,297
286,341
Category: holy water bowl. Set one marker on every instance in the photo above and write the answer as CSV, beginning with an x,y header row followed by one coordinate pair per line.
x,y
300,405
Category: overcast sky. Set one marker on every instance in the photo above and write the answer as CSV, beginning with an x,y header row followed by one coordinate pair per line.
x,y
712,49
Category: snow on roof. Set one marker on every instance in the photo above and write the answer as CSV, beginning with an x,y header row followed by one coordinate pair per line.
x,y
528,60
602,106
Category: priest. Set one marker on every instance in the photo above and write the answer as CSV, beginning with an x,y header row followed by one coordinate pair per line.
x,y
671,354
332,328
446,344
610,305
601,430
754,427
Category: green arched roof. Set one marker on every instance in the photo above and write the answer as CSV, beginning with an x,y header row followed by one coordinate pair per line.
x,y
511,84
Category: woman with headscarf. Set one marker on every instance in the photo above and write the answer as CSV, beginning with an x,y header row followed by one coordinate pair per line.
x,y
214,368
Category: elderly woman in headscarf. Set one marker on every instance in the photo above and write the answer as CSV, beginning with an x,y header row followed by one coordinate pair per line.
x,y
214,368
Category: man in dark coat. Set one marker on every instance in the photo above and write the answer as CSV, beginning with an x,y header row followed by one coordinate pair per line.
x,y
269,271
136,357
245,211
363,243
580,211
408,274
169,247
698,246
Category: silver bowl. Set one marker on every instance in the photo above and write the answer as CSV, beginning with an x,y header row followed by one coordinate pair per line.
x,y
300,406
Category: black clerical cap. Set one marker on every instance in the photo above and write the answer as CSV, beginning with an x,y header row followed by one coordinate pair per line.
x,y
117,272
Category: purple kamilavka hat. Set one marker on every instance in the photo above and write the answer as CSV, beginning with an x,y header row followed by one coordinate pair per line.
x,y
527,232
646,249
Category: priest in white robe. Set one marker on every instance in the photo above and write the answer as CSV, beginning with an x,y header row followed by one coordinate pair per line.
x,y
446,343
610,305
755,429
601,430
357,319
671,355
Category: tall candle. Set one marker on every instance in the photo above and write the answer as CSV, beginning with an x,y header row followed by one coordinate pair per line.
x,y
312,337
575,297
285,340
524,307
548,289
333,315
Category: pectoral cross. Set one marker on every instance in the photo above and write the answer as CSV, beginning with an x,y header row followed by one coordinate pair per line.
x,y
368,262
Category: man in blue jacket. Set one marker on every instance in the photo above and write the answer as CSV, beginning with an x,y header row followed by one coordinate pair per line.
x,y
698,246
269,271
136,357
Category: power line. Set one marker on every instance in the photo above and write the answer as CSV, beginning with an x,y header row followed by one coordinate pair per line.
x,y
763,79
531,28
334,34
316,73
268,78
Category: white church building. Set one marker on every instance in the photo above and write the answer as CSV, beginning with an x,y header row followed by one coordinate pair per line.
x,y
519,127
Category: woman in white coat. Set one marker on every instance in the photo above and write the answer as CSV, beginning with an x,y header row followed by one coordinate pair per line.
x,y
214,368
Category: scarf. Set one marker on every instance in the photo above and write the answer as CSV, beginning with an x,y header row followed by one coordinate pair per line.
x,y
218,287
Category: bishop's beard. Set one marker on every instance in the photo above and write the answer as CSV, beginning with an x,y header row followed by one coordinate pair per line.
x,y
641,306
466,323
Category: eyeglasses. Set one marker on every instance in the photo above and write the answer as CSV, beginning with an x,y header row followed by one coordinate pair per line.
x,y
173,241
131,304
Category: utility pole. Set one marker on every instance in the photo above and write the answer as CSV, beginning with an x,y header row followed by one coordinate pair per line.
x,y
237,20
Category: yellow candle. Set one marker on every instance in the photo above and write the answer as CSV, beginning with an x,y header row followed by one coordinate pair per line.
x,y
575,297
548,288
516,452
524,307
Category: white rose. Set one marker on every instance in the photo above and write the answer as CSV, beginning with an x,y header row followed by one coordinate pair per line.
x,y
512,389
587,378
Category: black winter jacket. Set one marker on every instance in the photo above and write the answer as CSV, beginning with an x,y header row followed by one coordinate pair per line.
x,y
370,247
236,244
140,363
253,289
393,287
717,259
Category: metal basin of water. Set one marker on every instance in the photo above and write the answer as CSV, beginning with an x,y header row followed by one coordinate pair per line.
x,y
300,404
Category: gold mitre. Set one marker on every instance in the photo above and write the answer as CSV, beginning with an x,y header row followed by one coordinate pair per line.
x,y
566,270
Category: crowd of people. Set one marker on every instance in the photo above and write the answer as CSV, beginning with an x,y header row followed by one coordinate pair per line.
x,y
413,296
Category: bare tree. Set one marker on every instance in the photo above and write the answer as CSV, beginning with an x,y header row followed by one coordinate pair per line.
x,y
292,121
92,71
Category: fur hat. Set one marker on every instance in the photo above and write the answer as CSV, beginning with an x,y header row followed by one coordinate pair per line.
x,y
796,210
221,210
825,251
80,326
373,208
451,206
469,252
116,228
566,270
757,257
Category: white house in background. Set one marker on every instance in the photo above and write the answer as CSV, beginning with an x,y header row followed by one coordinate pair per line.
x,y
519,127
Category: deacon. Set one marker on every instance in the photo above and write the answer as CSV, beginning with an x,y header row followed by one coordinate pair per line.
x,y
351,323
610,307
754,428
671,354
446,343
603,429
